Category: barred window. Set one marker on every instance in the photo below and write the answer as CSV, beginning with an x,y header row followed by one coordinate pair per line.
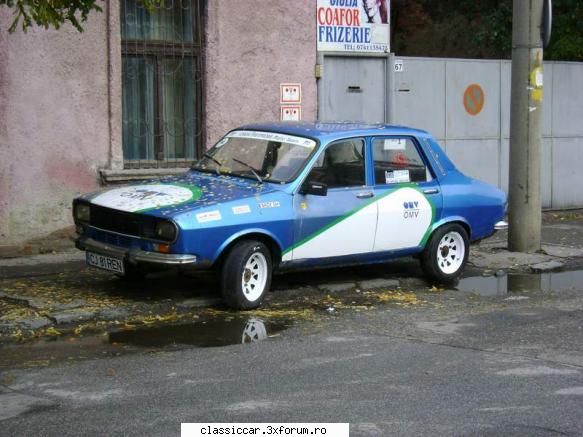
x,y
161,83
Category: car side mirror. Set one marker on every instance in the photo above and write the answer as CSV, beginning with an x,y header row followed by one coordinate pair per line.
x,y
314,188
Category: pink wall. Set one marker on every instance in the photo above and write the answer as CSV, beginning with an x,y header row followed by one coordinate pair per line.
x,y
253,46
55,121
53,110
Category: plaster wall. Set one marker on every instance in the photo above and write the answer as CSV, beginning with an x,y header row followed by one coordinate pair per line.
x,y
54,131
252,46
60,99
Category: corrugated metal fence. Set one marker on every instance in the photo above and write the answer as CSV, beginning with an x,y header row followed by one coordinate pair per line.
x,y
429,94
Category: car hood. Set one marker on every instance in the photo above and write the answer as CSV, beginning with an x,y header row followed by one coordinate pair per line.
x,y
175,195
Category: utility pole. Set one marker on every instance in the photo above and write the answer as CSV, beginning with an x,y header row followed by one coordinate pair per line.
x,y
524,199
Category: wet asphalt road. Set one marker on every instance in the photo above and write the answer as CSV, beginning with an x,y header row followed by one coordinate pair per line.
x,y
502,356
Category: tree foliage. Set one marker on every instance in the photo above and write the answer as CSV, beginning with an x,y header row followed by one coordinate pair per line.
x,y
55,13
478,29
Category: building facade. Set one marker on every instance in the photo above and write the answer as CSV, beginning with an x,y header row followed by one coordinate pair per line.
x,y
136,95
140,94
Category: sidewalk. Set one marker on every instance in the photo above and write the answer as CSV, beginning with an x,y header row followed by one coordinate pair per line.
x,y
562,247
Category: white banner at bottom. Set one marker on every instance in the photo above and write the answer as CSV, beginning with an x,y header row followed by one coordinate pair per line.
x,y
265,429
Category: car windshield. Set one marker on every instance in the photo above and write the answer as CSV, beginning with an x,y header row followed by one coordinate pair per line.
x,y
259,155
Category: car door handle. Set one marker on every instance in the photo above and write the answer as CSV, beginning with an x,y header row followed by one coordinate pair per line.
x,y
365,195
431,191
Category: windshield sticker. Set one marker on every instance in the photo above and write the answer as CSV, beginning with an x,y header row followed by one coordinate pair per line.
x,y
395,144
144,197
272,204
222,142
241,209
396,176
210,216
272,136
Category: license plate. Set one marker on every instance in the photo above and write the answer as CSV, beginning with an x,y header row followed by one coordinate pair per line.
x,y
104,262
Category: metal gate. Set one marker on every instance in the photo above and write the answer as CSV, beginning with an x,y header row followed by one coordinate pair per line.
x,y
354,88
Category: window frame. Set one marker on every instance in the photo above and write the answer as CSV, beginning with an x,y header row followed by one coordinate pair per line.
x,y
420,152
365,163
158,50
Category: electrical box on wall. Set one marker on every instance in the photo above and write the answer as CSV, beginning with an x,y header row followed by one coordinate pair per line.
x,y
291,113
290,93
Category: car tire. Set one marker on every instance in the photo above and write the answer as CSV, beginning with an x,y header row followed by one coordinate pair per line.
x,y
246,275
446,253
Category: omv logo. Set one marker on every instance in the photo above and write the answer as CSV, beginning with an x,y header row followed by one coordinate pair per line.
x,y
411,210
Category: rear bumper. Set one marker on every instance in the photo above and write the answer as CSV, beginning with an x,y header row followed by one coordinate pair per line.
x,y
137,256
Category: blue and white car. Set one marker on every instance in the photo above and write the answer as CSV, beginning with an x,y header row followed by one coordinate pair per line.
x,y
294,195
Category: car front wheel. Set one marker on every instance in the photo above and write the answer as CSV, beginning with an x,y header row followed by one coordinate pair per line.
x,y
446,253
246,275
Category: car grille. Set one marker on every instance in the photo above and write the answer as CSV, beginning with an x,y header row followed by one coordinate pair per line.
x,y
113,239
126,223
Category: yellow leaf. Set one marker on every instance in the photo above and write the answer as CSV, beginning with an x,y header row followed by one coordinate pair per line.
x,y
52,331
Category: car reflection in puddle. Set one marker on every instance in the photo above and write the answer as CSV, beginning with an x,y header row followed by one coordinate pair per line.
x,y
209,333
516,283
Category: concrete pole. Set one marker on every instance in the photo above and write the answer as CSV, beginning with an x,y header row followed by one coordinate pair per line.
x,y
524,200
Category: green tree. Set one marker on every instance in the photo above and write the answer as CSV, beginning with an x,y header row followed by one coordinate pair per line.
x,y
54,13
478,29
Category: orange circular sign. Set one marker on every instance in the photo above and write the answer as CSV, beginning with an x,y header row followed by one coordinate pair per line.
x,y
474,99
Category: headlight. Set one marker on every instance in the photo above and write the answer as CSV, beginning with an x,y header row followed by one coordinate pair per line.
x,y
82,213
165,231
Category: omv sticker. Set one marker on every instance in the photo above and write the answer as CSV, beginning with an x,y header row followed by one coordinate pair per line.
x,y
144,197
411,209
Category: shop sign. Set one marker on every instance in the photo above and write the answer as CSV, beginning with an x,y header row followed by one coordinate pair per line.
x,y
360,26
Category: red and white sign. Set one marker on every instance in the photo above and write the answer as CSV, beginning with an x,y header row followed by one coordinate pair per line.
x,y
290,93
291,113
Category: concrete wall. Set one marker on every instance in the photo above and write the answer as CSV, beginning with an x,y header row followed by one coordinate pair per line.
x,y
54,125
252,47
429,94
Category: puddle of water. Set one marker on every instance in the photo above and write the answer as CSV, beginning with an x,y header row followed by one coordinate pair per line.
x,y
210,333
202,334
516,283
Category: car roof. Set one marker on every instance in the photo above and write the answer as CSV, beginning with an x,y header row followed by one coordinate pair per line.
x,y
334,130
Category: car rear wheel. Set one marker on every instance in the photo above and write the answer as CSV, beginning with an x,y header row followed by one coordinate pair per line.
x,y
446,253
246,275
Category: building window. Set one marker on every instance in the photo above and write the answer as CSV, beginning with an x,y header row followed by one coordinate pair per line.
x,y
161,87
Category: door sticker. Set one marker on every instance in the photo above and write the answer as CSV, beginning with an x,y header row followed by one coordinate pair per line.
x,y
396,176
404,217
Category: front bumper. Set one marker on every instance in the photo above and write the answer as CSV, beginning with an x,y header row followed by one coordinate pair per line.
x,y
136,256
501,225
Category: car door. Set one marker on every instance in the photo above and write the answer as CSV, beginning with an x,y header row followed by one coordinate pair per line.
x,y
410,199
341,223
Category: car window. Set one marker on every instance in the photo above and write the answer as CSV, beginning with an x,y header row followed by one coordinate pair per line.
x,y
341,165
397,160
